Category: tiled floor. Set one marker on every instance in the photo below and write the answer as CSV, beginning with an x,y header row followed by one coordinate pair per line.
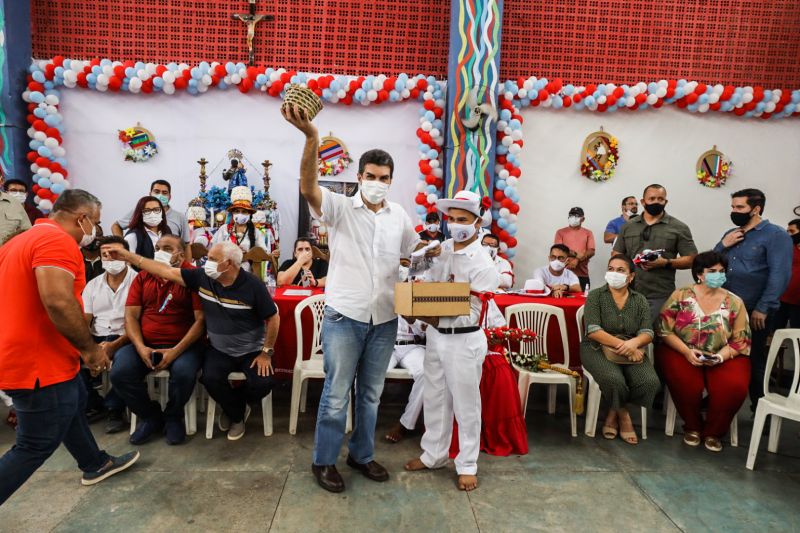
x,y
563,484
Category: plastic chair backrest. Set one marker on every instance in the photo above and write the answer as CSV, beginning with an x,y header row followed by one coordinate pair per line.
x,y
579,320
792,336
536,317
316,304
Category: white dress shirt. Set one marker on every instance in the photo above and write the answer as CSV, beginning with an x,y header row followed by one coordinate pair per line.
x,y
107,306
474,266
365,249
567,277
133,240
222,235
505,272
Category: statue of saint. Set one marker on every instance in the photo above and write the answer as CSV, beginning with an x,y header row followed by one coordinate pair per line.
x,y
235,175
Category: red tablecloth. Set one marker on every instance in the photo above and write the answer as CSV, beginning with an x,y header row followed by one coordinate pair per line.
x,y
570,306
286,345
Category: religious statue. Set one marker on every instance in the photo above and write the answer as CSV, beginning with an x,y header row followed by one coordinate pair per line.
x,y
235,175
251,19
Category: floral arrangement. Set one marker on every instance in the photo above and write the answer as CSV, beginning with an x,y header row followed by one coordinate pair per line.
x,y
718,179
335,167
216,198
590,169
138,144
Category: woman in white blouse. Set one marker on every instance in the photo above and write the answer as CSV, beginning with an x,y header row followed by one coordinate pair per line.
x,y
147,225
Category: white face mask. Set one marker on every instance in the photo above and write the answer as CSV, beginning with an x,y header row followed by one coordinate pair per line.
x,y
374,191
462,232
241,218
162,256
87,238
491,249
557,265
152,219
403,273
210,268
19,195
616,280
432,228
114,267
574,222
630,213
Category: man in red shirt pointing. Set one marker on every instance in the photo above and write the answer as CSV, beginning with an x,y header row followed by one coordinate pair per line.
x,y
43,339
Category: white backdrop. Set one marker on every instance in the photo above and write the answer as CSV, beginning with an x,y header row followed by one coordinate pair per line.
x,y
656,146
187,128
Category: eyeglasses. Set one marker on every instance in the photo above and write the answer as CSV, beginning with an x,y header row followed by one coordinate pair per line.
x,y
646,233
155,211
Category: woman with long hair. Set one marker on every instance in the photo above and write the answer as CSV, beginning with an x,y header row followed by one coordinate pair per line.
x,y
240,229
147,225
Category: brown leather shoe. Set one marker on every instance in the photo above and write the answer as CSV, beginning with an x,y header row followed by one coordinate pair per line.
x,y
371,470
328,477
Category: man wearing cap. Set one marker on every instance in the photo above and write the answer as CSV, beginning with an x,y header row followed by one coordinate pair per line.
x,y
367,237
580,241
456,346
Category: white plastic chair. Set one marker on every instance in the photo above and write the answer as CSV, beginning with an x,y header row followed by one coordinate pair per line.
x,y
189,410
537,317
776,405
266,409
313,367
593,394
672,414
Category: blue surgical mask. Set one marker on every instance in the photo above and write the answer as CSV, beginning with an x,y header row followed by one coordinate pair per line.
x,y
715,280
163,198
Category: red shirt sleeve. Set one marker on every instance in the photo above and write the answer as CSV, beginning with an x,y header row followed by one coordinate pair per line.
x,y
135,292
56,250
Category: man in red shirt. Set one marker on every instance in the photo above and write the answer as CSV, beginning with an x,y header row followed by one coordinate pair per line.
x,y
581,243
164,322
42,341
789,311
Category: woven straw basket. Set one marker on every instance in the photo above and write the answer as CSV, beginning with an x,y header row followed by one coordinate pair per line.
x,y
304,98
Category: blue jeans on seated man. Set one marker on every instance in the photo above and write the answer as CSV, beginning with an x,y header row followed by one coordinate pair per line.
x,y
94,401
359,351
47,417
128,375
232,400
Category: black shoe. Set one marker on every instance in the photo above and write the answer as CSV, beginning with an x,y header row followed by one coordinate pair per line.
x,y
116,422
146,429
371,470
94,414
328,477
175,432
114,465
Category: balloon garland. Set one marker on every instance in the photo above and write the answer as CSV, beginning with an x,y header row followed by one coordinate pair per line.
x,y
431,140
505,204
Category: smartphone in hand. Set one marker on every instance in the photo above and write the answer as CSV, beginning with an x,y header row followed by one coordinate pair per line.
x,y
156,358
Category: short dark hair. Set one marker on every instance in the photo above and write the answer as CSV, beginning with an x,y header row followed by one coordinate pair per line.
x,y
165,183
706,260
181,244
795,222
563,247
624,258
378,157
302,239
653,186
626,199
15,181
755,198
433,215
73,199
113,239
491,236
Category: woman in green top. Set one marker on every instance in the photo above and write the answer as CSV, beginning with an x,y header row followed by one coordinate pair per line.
x,y
619,319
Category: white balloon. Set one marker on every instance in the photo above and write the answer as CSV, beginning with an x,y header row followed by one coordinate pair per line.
x,y
661,92
36,199
436,133
426,125
59,151
150,68
206,79
514,149
108,70
747,98
341,93
135,84
377,84
40,136
713,98
34,167
168,77
503,247
503,174
51,142
70,83
512,180
522,93
406,94
516,135
26,96
437,172
101,88
372,95
504,212
51,110
169,88
652,99
236,79
421,186
45,205
502,125
201,88
143,75
769,107
44,172
434,163
432,198
51,99
703,108
630,101
57,177
601,99
507,141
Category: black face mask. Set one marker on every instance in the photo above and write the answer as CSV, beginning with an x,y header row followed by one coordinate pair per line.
x,y
796,238
741,219
93,246
654,209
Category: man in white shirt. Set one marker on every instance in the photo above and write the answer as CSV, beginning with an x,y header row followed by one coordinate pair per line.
x,y
104,310
555,275
491,244
367,236
176,220
409,353
456,346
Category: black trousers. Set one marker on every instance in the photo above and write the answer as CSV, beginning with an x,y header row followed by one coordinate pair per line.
x,y
232,399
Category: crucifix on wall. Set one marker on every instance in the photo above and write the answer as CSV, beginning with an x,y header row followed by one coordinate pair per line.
x,y
251,19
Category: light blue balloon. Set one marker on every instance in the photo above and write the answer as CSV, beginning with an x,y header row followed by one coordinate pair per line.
x,y
429,116
193,83
44,183
192,90
601,90
62,161
525,102
589,101
702,99
394,96
158,82
222,85
261,79
796,96
67,63
759,107
511,252
767,95
430,189
359,95
510,190
652,87
503,223
438,124
48,85
501,150
569,89
230,68
421,210
432,154
621,103
500,184
205,66
34,144
130,72
505,114
326,94
37,97
39,112
196,73
38,76
97,70
174,66
512,229
557,103
515,124
139,65
44,151
105,62
52,120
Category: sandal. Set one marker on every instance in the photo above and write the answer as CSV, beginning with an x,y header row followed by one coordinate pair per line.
x,y
629,437
691,438
713,444
609,432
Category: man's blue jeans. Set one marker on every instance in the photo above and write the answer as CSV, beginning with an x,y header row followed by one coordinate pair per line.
x,y
359,351
47,417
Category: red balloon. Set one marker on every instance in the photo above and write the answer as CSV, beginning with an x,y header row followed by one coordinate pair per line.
x,y
181,83
383,95
42,162
567,101
414,93
419,228
430,179
498,195
438,112
286,77
58,61
429,105
433,209
422,84
516,172
119,71
424,166
219,70
35,188
512,242
44,194
147,85
35,86
692,98
504,235
611,100
618,92
700,89
421,198
602,107
187,74
114,83
82,80
439,183
590,89
32,156
641,98
161,69
49,71
716,106
514,209
313,84
252,72
39,125
245,85
507,203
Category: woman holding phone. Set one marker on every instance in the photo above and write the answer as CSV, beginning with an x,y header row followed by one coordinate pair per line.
x,y
706,337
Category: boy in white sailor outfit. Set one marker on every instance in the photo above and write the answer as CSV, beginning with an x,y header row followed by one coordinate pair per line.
x,y
409,353
456,346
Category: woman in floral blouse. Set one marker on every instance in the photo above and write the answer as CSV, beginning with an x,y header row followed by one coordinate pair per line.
x,y
706,336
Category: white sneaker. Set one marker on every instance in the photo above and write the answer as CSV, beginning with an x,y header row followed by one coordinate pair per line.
x,y
236,430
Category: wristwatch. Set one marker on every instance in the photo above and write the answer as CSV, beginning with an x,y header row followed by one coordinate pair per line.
x,y
269,351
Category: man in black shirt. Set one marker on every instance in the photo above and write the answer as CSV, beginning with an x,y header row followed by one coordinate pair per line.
x,y
304,269
242,323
